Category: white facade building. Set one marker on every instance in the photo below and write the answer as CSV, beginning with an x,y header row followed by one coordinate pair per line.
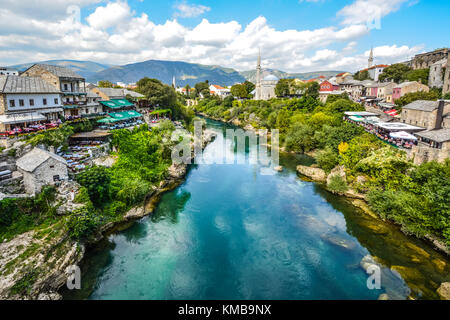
x,y
27,100
219,91
8,72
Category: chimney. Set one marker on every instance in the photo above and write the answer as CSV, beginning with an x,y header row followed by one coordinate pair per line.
x,y
440,114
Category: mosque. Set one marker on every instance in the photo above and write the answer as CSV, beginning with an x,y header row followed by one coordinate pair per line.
x,y
265,88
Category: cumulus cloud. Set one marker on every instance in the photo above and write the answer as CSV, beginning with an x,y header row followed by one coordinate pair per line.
x,y
366,11
185,10
113,33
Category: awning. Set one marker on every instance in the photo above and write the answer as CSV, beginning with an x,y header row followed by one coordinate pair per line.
x,y
121,116
117,103
123,102
125,115
402,135
392,113
356,118
50,110
21,118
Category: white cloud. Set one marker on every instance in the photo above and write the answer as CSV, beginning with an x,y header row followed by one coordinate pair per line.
x,y
114,34
113,14
185,10
366,11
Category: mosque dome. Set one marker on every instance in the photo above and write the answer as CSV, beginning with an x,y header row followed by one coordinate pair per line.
x,y
271,78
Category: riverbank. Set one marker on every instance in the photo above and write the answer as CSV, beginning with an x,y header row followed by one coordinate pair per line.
x,y
33,265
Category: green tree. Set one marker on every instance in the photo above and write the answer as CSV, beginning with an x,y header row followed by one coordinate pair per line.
x,y
446,96
157,93
419,75
239,91
312,90
413,96
250,86
282,88
362,75
203,88
97,182
105,84
327,159
300,138
396,72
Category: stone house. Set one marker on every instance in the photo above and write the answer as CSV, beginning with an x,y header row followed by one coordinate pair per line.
x,y
114,93
41,168
385,91
71,85
434,145
427,114
354,88
408,87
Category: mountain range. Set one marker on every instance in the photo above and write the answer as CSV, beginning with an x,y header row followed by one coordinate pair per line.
x,y
184,73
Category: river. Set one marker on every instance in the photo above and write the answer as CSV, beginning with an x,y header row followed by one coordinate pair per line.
x,y
230,232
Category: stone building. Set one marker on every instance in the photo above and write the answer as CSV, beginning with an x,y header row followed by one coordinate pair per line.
x,y
115,93
354,88
71,85
436,77
408,87
446,85
26,101
426,60
434,142
427,114
41,168
434,145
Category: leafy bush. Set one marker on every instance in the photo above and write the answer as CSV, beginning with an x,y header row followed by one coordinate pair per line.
x,y
97,182
327,159
82,223
337,184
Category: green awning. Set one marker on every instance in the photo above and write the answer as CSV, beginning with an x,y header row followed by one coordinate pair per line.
x,y
125,115
72,106
356,118
110,104
123,102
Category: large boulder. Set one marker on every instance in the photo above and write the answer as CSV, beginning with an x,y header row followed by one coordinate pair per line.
x,y
338,171
444,291
316,174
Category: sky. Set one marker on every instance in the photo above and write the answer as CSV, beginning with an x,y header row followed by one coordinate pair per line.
x,y
293,35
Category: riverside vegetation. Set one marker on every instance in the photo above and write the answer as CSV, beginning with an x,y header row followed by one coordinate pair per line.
x,y
416,197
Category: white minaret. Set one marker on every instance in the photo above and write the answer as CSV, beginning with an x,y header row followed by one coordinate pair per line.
x,y
258,94
174,83
371,58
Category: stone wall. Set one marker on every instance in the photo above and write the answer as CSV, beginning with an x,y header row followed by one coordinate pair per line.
x,y
425,60
38,71
419,118
423,153
446,86
435,80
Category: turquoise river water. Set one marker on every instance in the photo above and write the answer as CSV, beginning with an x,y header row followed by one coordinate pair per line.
x,y
229,232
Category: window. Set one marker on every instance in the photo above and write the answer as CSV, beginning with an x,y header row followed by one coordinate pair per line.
x,y
44,102
65,87
56,178
68,100
52,167
56,101
21,102
12,103
31,102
